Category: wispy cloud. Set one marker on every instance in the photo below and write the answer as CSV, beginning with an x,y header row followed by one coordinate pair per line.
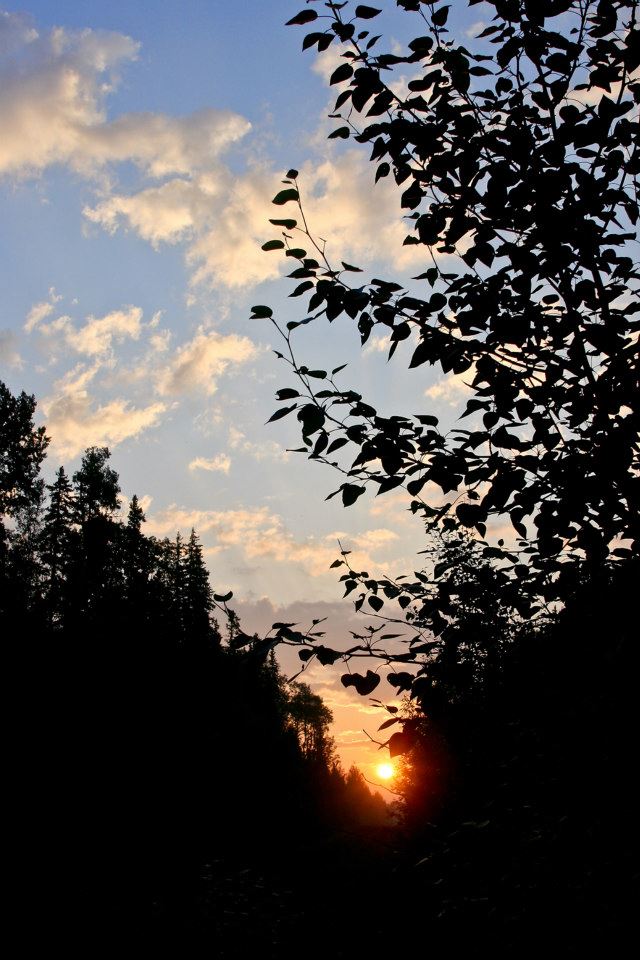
x,y
197,364
451,389
219,464
53,92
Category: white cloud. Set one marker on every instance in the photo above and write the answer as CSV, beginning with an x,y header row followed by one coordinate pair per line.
x,y
159,214
451,389
376,344
75,421
53,91
265,450
475,28
328,61
197,364
39,311
53,110
220,464
263,535
97,335
360,221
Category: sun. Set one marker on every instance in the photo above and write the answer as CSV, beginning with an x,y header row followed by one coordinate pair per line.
x,y
385,771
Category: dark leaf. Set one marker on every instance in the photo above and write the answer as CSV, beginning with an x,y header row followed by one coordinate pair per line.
x,y
285,196
305,16
366,13
279,414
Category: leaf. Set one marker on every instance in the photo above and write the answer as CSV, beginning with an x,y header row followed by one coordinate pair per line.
x,y
389,723
223,598
305,16
363,12
261,312
279,414
326,656
341,73
402,680
287,224
336,444
350,493
302,288
273,245
363,684
376,603
285,196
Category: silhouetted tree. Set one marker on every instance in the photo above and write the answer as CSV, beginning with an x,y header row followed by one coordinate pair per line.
x,y
22,449
198,595
518,174
58,545
311,719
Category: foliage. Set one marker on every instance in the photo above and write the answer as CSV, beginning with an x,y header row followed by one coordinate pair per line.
x,y
517,170
22,450
162,744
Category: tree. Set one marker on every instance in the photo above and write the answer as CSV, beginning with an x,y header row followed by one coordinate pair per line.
x,y
311,719
58,542
518,173
198,594
97,485
22,449
98,575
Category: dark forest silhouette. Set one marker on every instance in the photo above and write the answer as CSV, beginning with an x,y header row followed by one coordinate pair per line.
x,y
151,746
171,781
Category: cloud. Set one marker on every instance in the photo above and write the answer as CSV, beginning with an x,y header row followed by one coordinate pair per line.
x,y
451,389
39,311
53,91
221,464
328,61
53,110
165,214
376,344
198,363
75,421
359,220
472,31
265,450
97,335
263,535
8,350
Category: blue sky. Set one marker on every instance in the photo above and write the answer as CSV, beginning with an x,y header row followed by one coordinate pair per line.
x,y
141,145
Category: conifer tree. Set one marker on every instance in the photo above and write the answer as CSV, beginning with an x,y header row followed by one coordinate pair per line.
x,y
198,596
58,544
137,560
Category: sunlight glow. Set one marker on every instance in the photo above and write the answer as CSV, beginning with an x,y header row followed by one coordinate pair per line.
x,y
385,771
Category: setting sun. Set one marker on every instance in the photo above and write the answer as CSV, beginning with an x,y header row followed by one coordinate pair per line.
x,y
385,770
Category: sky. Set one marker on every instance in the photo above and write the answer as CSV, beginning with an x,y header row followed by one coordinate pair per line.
x,y
140,147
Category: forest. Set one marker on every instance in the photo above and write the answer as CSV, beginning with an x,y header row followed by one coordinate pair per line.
x,y
174,787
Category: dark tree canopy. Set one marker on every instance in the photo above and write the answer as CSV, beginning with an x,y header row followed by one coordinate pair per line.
x,y
22,450
516,161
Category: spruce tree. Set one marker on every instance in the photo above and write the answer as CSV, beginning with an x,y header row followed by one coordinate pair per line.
x,y
58,544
